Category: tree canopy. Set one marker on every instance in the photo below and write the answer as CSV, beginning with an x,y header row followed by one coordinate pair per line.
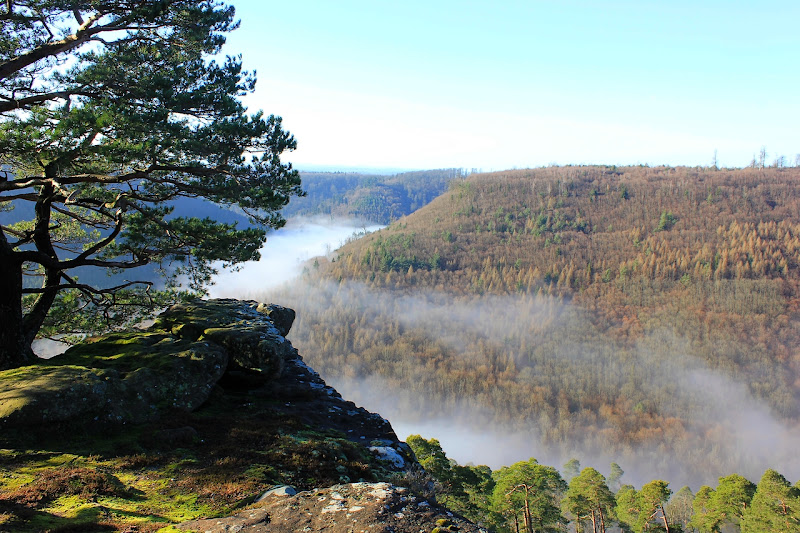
x,y
110,112
638,510
465,489
774,506
589,498
725,505
531,490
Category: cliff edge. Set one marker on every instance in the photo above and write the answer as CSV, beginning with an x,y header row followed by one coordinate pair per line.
x,y
201,416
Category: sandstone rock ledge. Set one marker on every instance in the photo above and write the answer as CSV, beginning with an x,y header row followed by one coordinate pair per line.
x,y
192,418
136,376
350,508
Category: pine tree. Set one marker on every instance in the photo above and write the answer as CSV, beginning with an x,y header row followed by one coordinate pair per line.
x,y
532,490
588,497
110,112
775,506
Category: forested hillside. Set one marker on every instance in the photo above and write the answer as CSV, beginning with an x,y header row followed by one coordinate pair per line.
x,y
643,315
371,197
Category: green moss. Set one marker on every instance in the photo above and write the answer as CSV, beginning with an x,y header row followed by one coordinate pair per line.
x,y
239,459
87,475
10,480
123,352
189,319
38,374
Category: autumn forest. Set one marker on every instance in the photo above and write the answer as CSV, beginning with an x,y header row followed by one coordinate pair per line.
x,y
645,316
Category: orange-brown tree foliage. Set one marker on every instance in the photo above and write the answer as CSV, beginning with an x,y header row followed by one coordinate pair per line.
x,y
616,262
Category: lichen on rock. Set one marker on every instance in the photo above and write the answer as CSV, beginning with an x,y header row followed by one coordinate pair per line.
x,y
367,507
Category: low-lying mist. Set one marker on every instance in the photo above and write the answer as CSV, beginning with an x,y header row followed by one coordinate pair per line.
x,y
498,379
693,423
286,253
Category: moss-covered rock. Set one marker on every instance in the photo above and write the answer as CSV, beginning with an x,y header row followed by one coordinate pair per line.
x,y
136,376
92,382
40,394
62,471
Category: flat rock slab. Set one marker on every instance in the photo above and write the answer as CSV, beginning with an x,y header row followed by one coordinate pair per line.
x,y
136,376
351,508
170,375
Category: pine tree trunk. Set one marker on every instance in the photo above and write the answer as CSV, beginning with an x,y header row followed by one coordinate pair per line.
x,y
36,315
663,514
15,349
526,510
527,516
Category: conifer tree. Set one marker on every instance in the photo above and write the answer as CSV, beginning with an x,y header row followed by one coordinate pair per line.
x,y
588,497
529,491
109,112
729,501
775,506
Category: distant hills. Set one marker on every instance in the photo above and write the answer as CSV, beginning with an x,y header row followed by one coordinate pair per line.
x,y
370,197
638,314
377,198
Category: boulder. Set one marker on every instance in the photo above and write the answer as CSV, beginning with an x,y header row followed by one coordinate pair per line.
x,y
137,376
282,317
41,394
253,334
119,377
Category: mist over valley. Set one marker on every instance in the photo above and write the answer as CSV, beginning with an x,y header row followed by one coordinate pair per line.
x,y
521,361
287,252
231,299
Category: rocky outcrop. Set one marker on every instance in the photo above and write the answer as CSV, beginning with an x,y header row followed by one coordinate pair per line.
x,y
364,507
191,350
82,384
137,376
211,402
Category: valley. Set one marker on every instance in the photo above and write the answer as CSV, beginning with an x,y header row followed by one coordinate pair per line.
x,y
646,316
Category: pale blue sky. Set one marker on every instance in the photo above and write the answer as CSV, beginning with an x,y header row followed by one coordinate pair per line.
x,y
496,85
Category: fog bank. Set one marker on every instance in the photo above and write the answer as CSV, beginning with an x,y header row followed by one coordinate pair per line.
x,y
729,429
285,254
715,425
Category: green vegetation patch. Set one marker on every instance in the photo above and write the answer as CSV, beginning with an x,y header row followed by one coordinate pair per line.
x,y
123,352
84,477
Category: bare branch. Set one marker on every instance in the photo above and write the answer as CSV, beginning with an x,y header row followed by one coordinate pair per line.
x,y
105,242
195,170
33,256
10,198
83,220
34,181
24,236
